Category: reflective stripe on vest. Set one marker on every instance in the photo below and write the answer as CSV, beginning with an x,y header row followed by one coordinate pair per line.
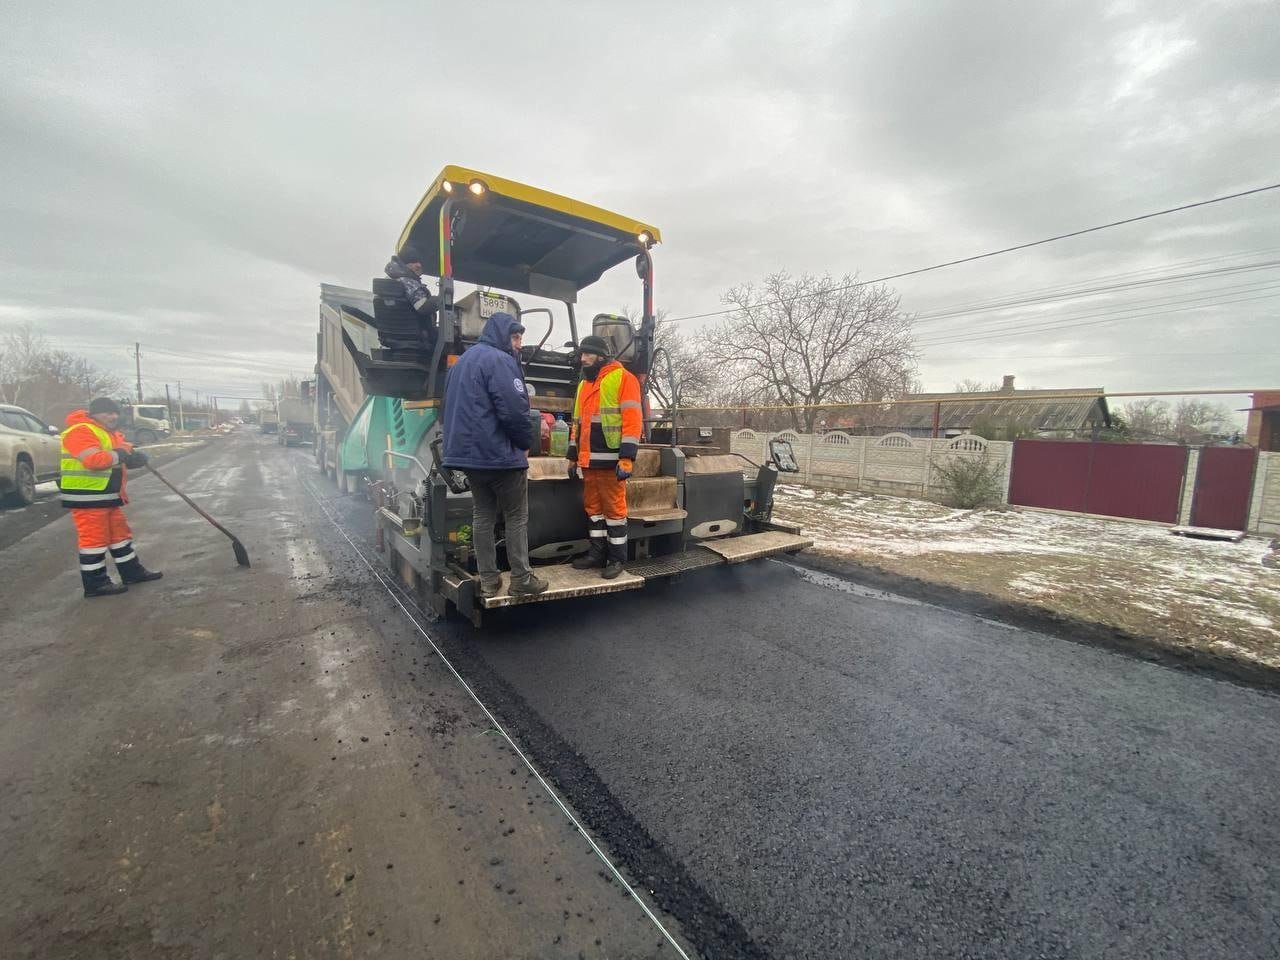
x,y
79,483
609,415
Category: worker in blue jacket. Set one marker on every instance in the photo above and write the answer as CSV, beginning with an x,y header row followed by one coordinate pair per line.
x,y
487,434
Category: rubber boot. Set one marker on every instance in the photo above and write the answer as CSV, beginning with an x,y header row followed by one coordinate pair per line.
x,y
617,548
132,571
593,559
98,584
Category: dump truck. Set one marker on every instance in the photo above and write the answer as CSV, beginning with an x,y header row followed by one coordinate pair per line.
x,y
689,507
144,423
294,418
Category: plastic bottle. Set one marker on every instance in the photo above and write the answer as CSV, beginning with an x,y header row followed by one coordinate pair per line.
x,y
559,438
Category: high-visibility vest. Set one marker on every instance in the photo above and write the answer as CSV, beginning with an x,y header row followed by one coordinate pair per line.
x,y
617,407
83,487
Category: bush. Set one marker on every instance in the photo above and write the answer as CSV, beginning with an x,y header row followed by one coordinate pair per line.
x,y
971,482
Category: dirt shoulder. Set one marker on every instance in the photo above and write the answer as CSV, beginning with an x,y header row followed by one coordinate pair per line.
x,y
265,762
1135,586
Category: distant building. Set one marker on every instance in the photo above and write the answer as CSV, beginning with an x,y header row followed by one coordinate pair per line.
x,y
999,412
1263,428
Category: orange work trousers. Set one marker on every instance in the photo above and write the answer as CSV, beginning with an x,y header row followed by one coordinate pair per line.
x,y
604,496
101,527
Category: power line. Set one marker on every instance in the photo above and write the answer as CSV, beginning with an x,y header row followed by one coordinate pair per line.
x,y
1092,323
993,306
994,325
1103,278
984,256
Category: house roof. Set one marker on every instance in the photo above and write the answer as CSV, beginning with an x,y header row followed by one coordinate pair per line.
x,y
1067,409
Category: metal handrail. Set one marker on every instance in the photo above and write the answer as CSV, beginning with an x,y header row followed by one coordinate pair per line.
x,y
411,459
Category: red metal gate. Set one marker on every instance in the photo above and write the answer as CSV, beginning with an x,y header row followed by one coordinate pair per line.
x,y
1142,481
1224,484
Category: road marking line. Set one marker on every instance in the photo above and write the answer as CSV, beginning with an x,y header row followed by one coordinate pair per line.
x,y
564,808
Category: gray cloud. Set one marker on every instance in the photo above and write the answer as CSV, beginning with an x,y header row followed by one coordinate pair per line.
x,y
188,176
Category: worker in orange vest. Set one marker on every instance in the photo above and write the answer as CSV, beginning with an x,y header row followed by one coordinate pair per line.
x,y
95,462
604,439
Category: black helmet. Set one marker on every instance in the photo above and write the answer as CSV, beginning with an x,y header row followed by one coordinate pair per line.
x,y
596,345
104,405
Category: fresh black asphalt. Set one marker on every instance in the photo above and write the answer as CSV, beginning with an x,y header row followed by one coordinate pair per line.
x,y
842,774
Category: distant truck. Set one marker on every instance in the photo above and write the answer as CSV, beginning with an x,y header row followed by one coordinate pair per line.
x,y
144,423
294,420
269,421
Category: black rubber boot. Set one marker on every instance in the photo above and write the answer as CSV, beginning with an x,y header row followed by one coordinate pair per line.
x,y
593,559
133,571
612,569
98,584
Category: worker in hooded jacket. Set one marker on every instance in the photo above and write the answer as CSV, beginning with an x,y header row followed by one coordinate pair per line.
x,y
604,439
95,465
487,435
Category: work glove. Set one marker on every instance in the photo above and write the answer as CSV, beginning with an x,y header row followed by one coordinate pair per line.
x,y
623,470
571,454
575,472
122,455
136,459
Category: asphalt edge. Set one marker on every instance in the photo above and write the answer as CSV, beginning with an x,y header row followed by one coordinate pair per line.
x,y
1151,649
712,930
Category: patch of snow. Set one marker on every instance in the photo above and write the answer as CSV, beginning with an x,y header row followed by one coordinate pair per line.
x,y
1033,583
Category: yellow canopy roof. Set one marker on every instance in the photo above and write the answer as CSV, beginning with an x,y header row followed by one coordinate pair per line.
x,y
519,238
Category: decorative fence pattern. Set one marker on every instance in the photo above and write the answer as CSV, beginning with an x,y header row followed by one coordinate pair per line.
x,y
894,463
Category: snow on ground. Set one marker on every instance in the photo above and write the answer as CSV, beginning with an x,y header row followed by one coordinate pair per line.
x,y
1211,594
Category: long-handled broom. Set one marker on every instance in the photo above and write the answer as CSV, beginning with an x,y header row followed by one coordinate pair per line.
x,y
242,555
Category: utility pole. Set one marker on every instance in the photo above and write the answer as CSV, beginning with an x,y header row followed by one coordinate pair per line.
x,y
168,403
182,420
137,361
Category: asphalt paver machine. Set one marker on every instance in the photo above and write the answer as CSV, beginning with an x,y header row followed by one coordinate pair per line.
x,y
689,508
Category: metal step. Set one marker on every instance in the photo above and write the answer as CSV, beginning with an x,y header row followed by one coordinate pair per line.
x,y
755,545
565,582
695,558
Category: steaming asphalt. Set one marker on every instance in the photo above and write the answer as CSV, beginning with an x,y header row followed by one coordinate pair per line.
x,y
798,767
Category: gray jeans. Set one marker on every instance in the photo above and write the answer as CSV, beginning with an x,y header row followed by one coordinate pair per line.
x,y
505,492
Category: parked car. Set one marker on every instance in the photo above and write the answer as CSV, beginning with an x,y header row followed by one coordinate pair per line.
x,y
30,453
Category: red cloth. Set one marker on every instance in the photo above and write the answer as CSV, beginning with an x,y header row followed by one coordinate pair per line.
x,y
100,528
603,494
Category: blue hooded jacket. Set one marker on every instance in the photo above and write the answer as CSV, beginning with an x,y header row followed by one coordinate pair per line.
x,y
486,408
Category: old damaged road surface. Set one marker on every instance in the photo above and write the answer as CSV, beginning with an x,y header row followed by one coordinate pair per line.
x,y
795,767
240,763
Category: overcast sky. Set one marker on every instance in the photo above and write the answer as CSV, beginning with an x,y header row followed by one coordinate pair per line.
x,y
186,175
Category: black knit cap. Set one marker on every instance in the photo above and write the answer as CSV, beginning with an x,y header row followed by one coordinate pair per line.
x,y
594,344
409,254
104,405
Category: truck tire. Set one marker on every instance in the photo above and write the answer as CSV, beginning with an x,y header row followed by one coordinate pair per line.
x,y
24,485
145,436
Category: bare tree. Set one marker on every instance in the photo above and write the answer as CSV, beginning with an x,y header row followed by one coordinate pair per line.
x,y
969,385
1195,419
1148,419
21,350
811,340
47,381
